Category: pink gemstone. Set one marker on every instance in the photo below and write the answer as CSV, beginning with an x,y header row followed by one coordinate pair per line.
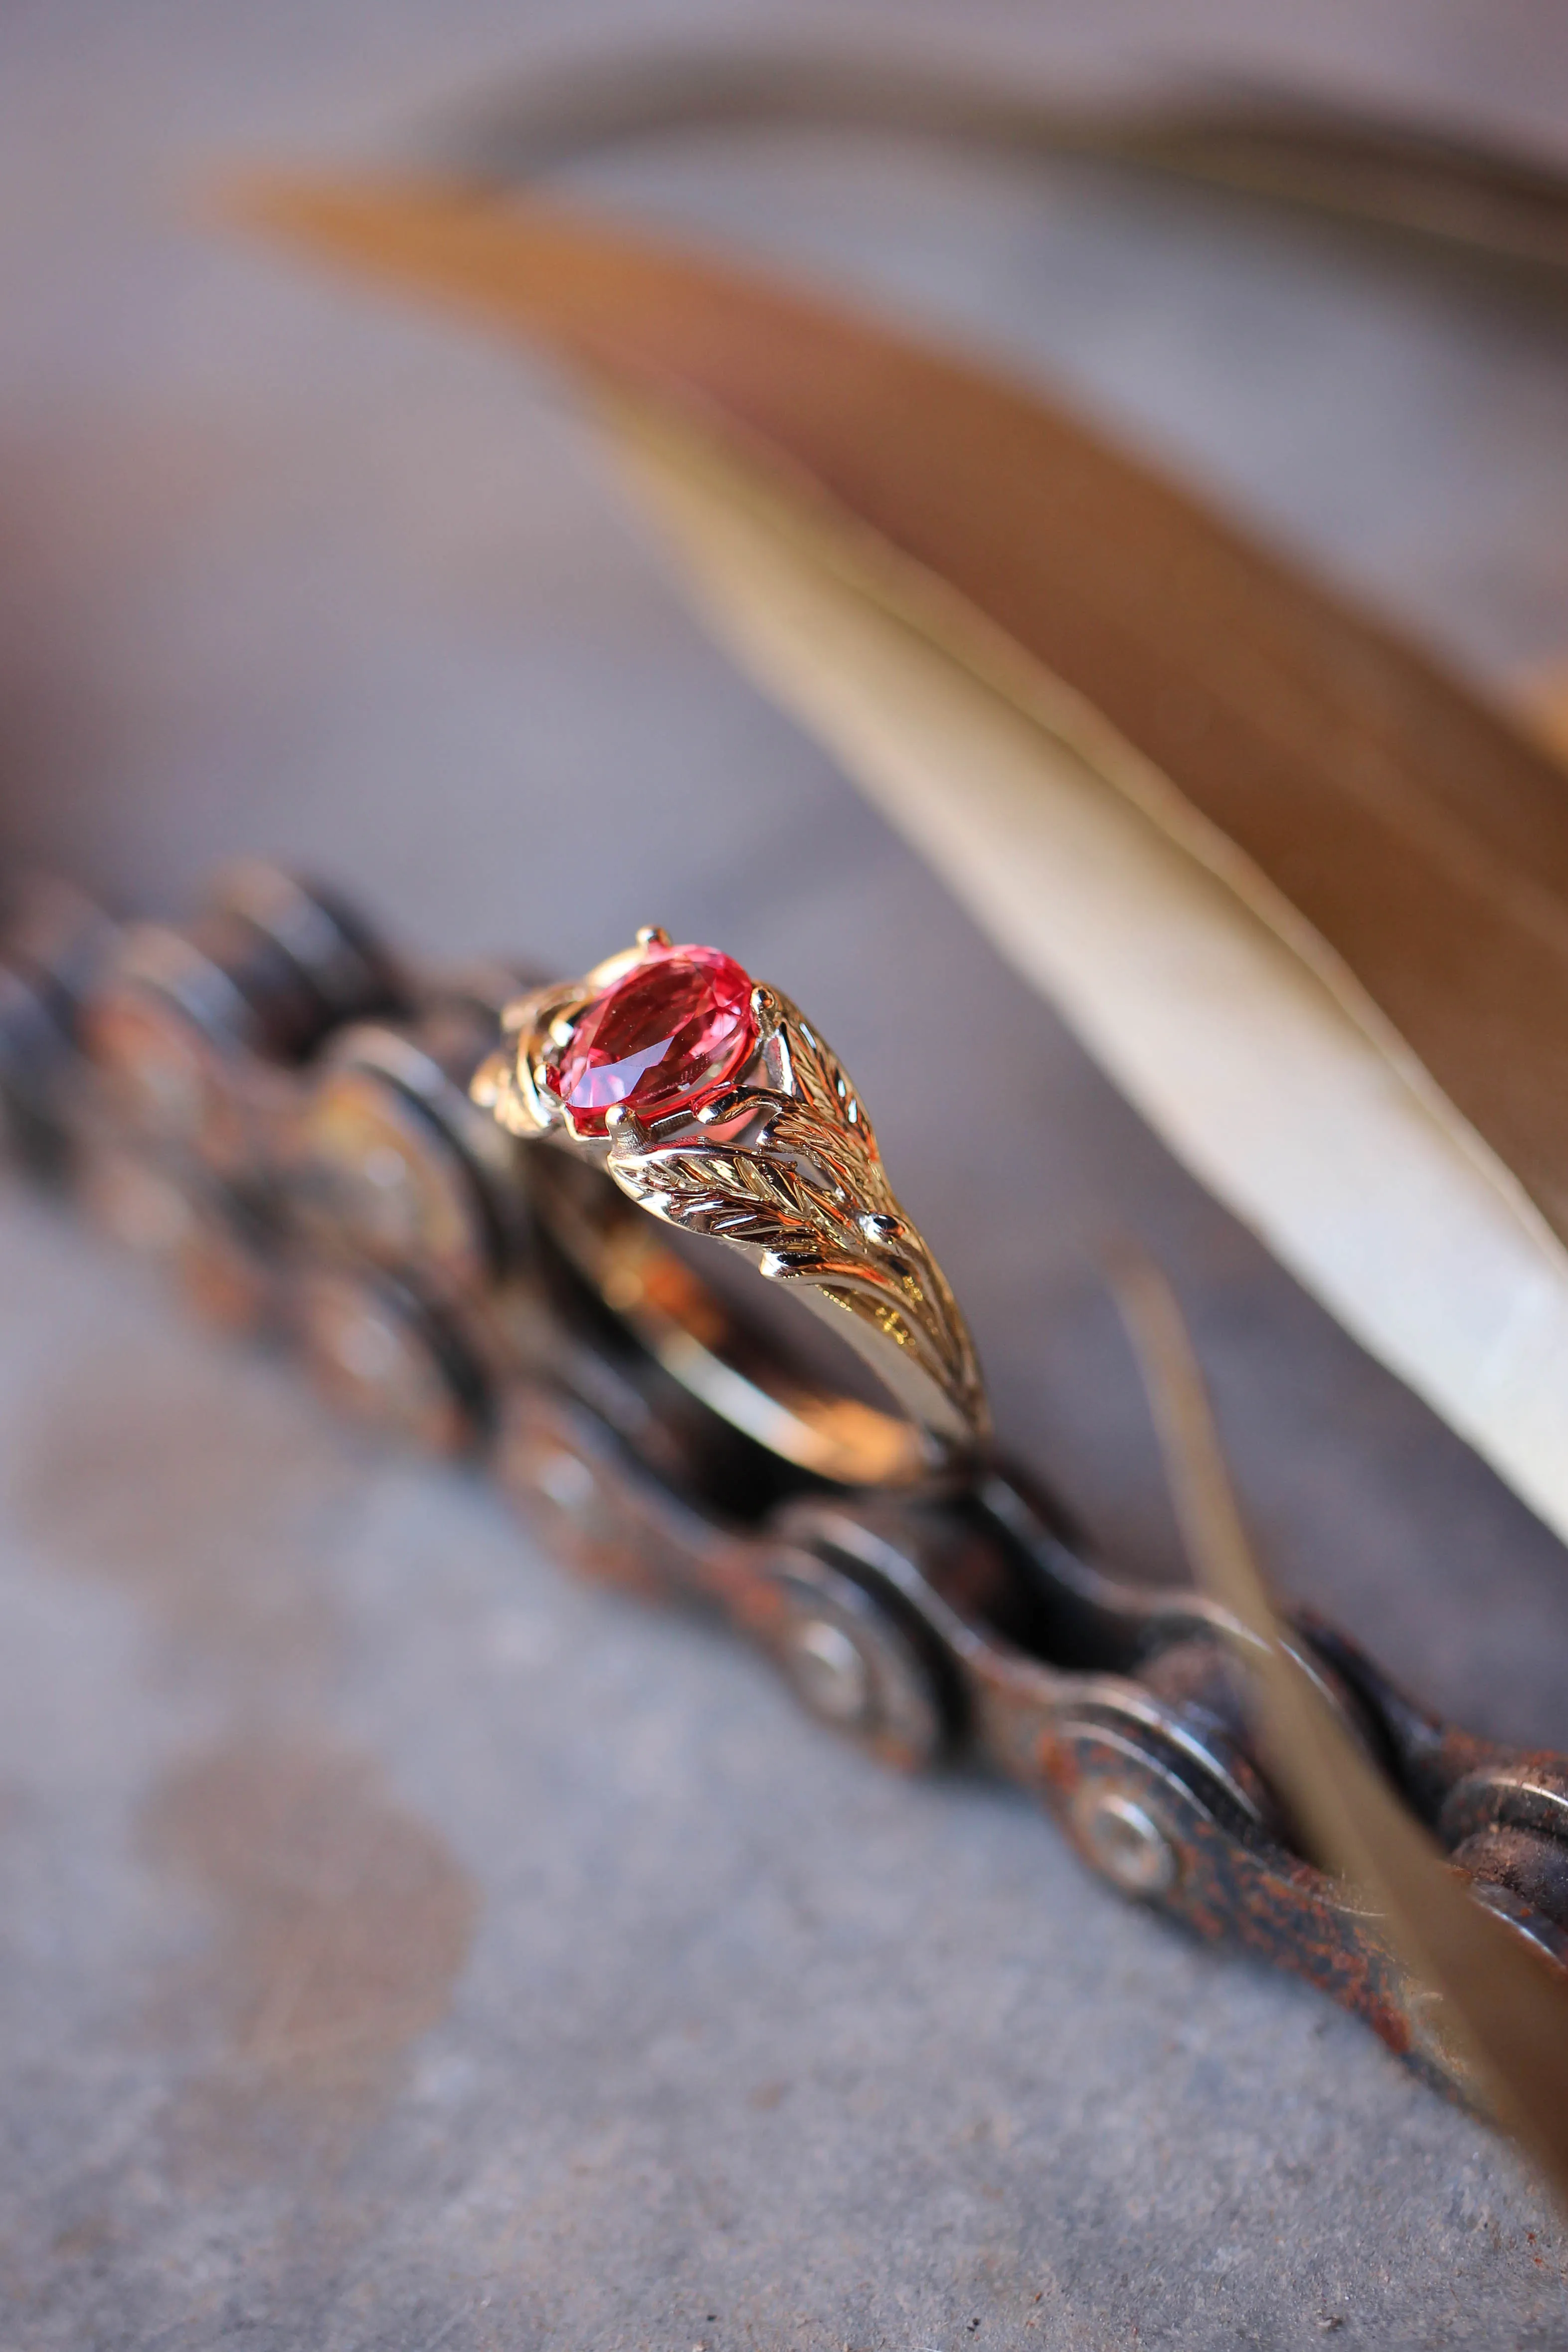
x,y
669,1036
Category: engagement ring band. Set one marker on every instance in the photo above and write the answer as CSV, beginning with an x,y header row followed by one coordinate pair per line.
x,y
713,1105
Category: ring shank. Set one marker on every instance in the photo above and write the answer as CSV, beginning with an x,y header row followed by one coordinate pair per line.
x,y
740,1349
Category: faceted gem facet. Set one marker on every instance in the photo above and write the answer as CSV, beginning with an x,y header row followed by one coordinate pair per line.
x,y
669,1035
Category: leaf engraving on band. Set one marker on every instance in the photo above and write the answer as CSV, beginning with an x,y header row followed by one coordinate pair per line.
x,y
789,1169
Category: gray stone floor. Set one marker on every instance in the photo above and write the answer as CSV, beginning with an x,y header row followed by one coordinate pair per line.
x,y
405,1947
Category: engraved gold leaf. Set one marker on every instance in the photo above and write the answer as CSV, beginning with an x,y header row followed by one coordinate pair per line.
x,y
806,1189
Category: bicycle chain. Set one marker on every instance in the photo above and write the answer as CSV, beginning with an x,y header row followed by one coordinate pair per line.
x,y
272,1103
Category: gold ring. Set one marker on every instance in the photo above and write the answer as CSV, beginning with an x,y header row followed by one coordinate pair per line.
x,y
713,1106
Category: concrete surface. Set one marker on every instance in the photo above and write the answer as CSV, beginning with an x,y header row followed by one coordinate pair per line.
x,y
404,1947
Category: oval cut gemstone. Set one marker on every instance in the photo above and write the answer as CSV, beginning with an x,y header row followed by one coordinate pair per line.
x,y
670,1035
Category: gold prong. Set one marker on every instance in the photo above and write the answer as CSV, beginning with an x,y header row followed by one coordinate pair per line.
x,y
485,1087
622,1126
652,935
772,1039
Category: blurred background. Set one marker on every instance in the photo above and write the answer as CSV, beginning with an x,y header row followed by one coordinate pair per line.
x,y
287,569
279,556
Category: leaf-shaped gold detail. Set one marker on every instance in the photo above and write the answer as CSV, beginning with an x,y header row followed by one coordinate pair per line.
x,y
795,1177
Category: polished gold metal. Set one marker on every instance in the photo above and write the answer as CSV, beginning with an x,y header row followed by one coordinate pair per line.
x,y
784,1168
